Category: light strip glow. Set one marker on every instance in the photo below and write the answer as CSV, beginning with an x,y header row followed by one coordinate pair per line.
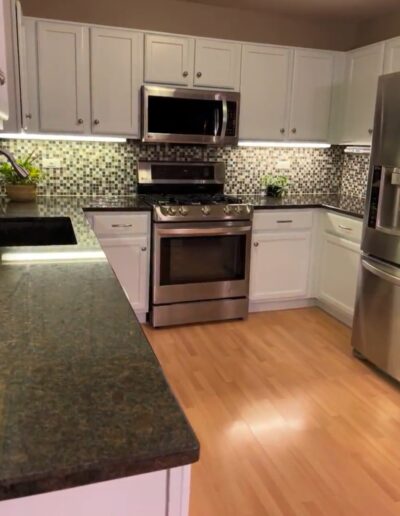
x,y
10,257
287,145
61,137
356,149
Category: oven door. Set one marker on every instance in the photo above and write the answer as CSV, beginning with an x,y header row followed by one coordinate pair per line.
x,y
200,261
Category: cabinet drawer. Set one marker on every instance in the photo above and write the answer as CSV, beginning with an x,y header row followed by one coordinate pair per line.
x,y
345,227
282,219
120,223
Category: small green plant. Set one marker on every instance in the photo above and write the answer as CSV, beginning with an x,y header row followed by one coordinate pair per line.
x,y
10,177
275,186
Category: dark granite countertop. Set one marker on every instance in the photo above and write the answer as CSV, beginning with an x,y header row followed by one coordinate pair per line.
x,y
347,205
82,396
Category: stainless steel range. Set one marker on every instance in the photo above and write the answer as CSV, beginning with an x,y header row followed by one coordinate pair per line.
x,y
200,244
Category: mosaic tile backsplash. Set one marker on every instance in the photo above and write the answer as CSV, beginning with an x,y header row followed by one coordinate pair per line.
x,y
98,168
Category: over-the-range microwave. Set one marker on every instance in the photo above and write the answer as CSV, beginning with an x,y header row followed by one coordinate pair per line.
x,y
178,115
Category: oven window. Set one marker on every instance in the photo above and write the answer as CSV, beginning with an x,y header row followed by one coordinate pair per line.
x,y
168,115
202,259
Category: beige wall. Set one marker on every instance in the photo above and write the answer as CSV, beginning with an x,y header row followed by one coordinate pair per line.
x,y
199,19
378,29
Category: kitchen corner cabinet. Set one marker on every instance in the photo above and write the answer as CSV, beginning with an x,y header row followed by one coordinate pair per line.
x,y
188,62
363,68
281,254
125,240
4,109
311,95
392,56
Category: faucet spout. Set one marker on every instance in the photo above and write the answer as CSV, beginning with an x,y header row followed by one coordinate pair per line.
x,y
21,171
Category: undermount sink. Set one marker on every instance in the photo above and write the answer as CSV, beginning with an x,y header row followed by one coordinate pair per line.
x,y
36,231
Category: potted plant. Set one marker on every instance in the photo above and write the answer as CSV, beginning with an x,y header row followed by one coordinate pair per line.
x,y
275,186
17,188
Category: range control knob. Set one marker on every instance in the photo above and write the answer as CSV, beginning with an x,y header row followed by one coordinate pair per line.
x,y
171,210
238,209
183,210
228,210
164,210
206,210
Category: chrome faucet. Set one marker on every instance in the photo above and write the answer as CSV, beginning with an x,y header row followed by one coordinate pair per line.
x,y
23,174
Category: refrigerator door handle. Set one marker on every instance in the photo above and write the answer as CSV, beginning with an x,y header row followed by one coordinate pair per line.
x,y
395,280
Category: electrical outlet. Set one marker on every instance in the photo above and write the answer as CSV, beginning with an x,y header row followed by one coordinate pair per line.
x,y
51,163
283,165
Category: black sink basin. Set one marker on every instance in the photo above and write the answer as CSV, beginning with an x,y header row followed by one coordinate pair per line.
x,y
36,231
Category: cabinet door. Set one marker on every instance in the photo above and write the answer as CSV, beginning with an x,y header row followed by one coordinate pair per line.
x,y
265,86
168,60
217,64
311,95
392,56
63,77
3,68
280,265
116,77
339,261
363,69
129,257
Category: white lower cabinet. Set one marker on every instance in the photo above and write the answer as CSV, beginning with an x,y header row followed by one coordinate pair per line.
x,y
280,257
125,240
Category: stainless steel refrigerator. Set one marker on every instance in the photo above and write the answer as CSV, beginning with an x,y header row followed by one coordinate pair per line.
x,y
376,327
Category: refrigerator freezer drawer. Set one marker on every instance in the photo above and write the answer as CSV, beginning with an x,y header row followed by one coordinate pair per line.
x,y
376,328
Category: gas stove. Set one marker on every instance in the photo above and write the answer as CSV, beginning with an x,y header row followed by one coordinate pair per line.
x,y
189,192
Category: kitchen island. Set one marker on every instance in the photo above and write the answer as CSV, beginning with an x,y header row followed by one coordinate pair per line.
x,y
84,403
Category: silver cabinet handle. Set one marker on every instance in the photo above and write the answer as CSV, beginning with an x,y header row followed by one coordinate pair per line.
x,y
282,131
2,78
288,221
28,116
144,249
80,121
370,131
121,225
294,130
96,121
185,73
199,74
256,244
345,228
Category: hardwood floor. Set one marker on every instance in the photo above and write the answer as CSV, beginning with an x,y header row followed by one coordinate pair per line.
x,y
289,422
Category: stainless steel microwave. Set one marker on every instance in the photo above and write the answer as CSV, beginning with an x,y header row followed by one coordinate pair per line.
x,y
178,115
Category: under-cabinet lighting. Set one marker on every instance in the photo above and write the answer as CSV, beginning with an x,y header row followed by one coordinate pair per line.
x,y
357,149
61,137
43,256
294,145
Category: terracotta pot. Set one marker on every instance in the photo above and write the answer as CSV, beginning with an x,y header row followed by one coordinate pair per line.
x,y
21,193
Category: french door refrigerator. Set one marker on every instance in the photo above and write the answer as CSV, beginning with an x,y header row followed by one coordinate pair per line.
x,y
376,327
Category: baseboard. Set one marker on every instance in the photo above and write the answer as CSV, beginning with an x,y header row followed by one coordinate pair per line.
x,y
342,316
288,304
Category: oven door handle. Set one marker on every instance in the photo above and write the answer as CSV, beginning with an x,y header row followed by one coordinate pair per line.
x,y
203,231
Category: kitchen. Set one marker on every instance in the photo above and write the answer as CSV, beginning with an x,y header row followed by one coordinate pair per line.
x,y
150,144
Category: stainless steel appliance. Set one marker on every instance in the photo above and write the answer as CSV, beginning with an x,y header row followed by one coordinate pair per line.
x,y
178,115
376,328
200,244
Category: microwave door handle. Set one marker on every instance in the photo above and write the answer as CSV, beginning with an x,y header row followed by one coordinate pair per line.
x,y
224,118
216,122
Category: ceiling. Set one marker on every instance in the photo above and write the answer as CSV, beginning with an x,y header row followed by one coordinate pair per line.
x,y
351,10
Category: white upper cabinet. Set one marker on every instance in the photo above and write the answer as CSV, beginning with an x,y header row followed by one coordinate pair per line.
x,y
364,66
3,68
311,95
217,64
63,77
265,88
168,60
116,76
392,56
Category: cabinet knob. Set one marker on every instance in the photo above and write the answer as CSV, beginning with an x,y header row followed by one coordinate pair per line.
x,y
185,73
199,74
28,116
2,78
255,244
370,131
282,131
80,121
96,121
144,249
294,130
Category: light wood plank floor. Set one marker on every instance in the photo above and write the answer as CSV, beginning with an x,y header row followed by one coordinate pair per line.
x,y
289,422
